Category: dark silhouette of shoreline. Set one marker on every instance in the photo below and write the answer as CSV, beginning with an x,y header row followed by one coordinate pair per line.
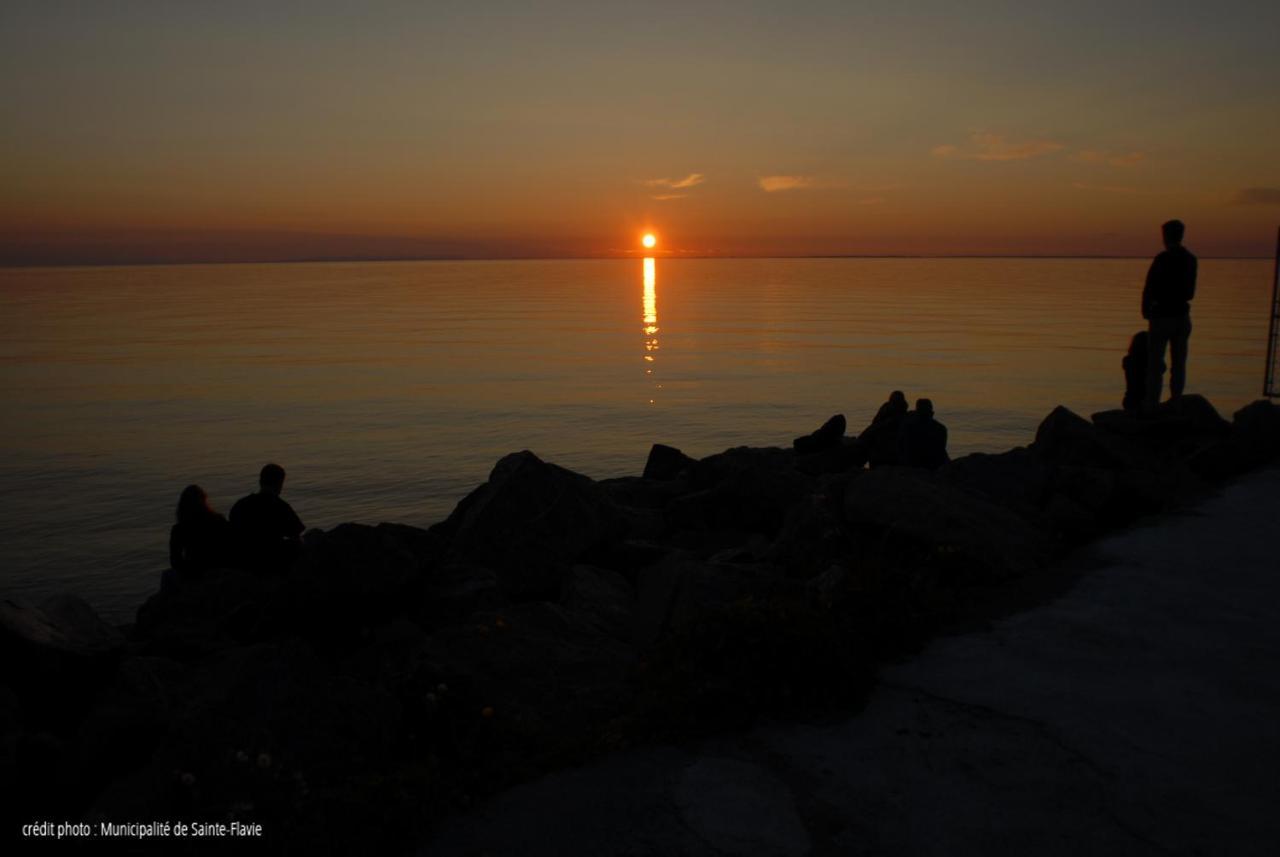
x,y
395,675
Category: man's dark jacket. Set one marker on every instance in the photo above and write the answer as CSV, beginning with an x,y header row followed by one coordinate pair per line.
x,y
1171,284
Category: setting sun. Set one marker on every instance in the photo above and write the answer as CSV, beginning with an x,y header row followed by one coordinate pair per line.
x,y
649,240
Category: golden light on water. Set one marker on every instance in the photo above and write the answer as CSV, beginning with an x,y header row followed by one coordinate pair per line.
x,y
650,313
649,241
650,297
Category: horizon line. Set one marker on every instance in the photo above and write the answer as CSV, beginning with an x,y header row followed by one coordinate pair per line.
x,y
337,260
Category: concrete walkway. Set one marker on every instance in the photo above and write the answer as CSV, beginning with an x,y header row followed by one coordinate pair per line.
x,y
1138,713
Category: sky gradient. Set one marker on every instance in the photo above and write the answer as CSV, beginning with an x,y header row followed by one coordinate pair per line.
x,y
191,132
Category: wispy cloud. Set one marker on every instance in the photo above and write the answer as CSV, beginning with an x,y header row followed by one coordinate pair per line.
x,y
1105,188
773,184
1258,196
995,147
665,196
1110,159
690,180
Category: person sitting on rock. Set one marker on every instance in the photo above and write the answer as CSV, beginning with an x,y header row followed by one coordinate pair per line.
x,y
1135,371
201,539
879,441
266,527
923,440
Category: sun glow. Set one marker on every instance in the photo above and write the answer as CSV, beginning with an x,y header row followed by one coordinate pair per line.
x,y
649,240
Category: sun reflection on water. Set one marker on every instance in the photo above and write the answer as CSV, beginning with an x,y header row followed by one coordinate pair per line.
x,y
650,314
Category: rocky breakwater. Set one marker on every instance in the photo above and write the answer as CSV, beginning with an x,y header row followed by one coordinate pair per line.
x,y
397,674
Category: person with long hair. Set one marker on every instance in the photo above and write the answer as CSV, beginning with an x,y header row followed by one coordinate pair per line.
x,y
201,538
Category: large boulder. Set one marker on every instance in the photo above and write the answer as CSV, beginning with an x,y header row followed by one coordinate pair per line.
x,y
56,655
923,515
358,575
813,536
827,436
539,677
1064,437
62,626
743,490
678,592
530,522
1255,433
454,591
1017,479
602,597
666,463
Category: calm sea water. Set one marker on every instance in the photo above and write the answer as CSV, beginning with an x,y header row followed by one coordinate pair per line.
x,y
388,390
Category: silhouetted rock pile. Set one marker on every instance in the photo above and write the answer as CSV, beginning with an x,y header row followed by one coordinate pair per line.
x,y
397,673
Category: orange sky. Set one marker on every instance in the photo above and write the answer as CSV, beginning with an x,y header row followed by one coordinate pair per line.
x,y
150,133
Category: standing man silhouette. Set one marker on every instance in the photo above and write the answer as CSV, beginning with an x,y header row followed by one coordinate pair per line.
x,y
1166,305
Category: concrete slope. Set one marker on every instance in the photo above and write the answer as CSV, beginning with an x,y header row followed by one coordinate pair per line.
x,y
1138,713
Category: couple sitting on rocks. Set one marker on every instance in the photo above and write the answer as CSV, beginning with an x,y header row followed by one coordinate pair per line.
x,y
264,532
895,436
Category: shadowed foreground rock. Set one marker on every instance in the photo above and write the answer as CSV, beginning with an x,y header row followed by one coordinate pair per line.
x,y
396,674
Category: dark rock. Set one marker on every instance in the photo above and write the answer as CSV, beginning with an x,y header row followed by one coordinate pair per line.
x,y
194,615
602,597
640,502
455,591
827,436
549,675
812,537
357,570
282,700
666,463
1196,413
56,656
1068,519
61,626
532,520
1066,437
919,511
747,491
741,460
1091,488
131,717
10,711
675,594
1148,491
1017,479
1255,434
635,493
848,454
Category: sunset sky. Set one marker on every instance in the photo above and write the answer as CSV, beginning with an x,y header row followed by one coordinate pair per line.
x,y
222,131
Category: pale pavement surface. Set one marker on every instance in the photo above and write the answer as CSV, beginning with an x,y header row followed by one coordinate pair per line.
x,y
1138,713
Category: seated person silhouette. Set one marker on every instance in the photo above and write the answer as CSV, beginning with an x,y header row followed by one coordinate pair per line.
x,y
923,440
201,539
1135,371
879,441
267,530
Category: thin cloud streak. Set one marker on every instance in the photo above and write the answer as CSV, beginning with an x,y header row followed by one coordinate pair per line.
x,y
773,184
662,197
691,180
995,147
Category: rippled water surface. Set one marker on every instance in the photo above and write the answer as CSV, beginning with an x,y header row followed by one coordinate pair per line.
x,y
388,390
